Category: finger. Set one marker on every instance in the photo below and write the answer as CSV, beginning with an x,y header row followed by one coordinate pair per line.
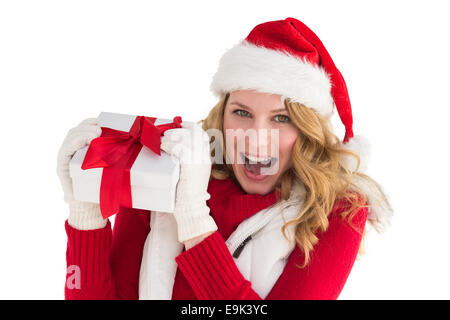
x,y
176,135
186,124
89,127
85,135
175,149
170,149
194,127
97,130
169,132
171,139
84,130
75,143
89,121
190,124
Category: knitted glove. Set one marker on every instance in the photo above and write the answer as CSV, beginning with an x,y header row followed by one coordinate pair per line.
x,y
190,144
82,215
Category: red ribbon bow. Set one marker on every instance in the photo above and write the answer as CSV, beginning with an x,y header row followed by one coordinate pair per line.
x,y
115,151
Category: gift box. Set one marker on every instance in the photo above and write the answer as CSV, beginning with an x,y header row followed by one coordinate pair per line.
x,y
125,166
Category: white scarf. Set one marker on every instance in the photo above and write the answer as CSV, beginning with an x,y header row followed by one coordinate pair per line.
x,y
261,261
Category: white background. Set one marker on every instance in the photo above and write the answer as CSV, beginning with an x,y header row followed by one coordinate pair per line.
x,y
63,61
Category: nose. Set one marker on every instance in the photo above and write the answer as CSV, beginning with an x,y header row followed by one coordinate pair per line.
x,y
265,139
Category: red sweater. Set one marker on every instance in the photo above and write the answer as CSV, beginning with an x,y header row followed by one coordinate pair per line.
x,y
109,260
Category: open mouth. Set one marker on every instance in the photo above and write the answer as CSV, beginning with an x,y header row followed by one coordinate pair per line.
x,y
258,165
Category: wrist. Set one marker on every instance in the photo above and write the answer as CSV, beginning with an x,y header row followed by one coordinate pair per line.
x,y
194,241
85,216
191,224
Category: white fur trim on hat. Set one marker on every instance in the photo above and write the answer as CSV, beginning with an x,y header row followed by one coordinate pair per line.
x,y
250,67
361,146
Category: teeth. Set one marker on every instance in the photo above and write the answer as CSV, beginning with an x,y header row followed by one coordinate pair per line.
x,y
263,160
266,162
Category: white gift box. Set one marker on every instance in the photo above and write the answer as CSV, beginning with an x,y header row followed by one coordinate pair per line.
x,y
153,177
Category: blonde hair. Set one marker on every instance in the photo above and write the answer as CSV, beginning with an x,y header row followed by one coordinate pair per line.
x,y
317,158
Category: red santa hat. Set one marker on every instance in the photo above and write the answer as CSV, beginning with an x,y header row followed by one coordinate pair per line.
x,y
285,57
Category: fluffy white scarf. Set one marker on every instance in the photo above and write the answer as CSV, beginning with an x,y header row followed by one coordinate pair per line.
x,y
263,258
261,261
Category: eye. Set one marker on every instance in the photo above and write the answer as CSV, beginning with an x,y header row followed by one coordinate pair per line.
x,y
241,113
284,118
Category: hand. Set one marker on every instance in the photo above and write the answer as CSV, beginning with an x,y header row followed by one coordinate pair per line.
x,y
190,144
83,215
76,138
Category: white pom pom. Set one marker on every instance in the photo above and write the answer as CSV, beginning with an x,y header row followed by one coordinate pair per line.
x,y
379,211
360,146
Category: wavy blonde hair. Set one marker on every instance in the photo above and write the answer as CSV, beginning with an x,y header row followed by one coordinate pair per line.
x,y
317,163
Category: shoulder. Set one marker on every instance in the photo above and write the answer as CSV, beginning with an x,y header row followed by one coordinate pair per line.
x,y
341,216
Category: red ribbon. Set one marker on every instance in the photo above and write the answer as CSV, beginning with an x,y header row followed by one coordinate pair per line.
x,y
115,151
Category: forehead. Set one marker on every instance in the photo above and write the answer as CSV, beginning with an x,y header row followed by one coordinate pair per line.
x,y
253,99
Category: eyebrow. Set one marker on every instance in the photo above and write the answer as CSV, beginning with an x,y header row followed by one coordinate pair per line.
x,y
248,108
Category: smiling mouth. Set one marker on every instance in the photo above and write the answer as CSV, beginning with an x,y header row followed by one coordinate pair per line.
x,y
255,165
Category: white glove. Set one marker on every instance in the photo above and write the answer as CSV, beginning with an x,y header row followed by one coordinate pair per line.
x,y
83,215
190,144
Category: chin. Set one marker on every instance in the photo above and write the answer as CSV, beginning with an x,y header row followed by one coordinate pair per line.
x,y
257,186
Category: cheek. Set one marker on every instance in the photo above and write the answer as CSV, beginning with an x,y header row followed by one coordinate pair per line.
x,y
230,140
227,125
287,144
236,129
231,121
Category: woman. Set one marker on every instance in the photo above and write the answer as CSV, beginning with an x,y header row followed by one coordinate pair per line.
x,y
277,217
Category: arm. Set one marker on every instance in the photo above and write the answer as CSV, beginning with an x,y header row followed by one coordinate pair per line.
x,y
88,273
89,235
330,263
212,273
100,264
107,262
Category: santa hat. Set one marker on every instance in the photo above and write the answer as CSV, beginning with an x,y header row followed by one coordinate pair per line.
x,y
285,57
